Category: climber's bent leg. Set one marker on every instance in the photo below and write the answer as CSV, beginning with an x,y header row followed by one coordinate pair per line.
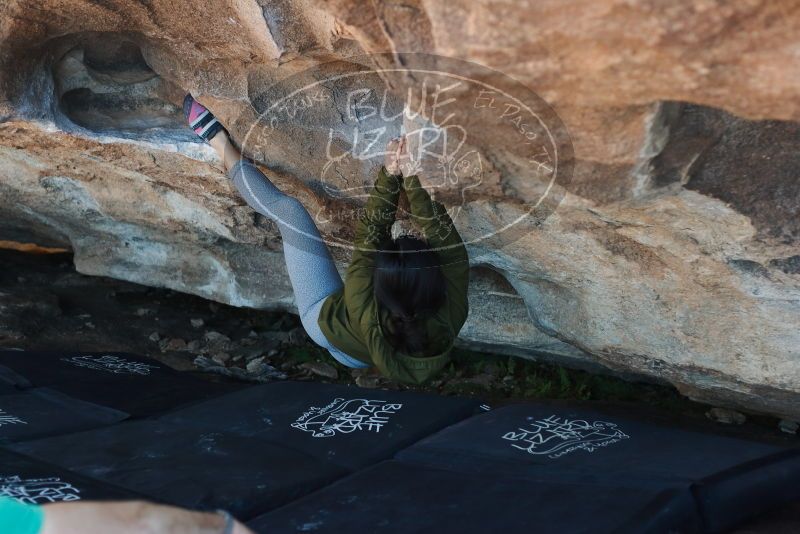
x,y
311,269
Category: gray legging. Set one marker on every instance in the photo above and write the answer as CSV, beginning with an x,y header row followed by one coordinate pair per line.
x,y
308,260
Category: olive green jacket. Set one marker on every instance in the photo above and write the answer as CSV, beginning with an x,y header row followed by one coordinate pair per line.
x,y
351,318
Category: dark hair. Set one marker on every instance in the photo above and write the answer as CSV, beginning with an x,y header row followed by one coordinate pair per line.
x,y
408,282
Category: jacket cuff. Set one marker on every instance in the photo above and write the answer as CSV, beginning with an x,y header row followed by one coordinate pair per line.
x,y
410,182
388,183
386,172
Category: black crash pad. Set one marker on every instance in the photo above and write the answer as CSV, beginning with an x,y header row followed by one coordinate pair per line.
x,y
255,449
41,412
133,384
188,466
33,482
344,425
6,388
730,479
399,498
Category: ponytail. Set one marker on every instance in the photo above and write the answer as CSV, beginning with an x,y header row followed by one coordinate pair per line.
x,y
409,283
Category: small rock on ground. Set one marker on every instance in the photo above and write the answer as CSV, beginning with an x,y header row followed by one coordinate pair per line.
x,y
790,427
368,381
726,416
212,336
255,366
265,373
322,369
221,358
173,344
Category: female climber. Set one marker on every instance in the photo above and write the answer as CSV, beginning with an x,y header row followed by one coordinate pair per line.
x,y
403,301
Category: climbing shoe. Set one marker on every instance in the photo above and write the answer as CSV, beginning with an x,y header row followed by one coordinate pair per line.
x,y
200,119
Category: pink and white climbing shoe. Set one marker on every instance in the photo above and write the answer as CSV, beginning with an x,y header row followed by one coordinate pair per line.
x,y
200,119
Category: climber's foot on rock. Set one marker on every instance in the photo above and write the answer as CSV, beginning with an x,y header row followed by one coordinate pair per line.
x,y
200,119
209,128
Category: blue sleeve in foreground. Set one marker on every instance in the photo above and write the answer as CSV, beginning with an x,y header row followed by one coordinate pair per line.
x,y
18,518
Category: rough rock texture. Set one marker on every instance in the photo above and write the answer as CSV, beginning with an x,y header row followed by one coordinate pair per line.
x,y
674,255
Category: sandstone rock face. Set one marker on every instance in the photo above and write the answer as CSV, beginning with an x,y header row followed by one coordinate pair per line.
x,y
674,253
